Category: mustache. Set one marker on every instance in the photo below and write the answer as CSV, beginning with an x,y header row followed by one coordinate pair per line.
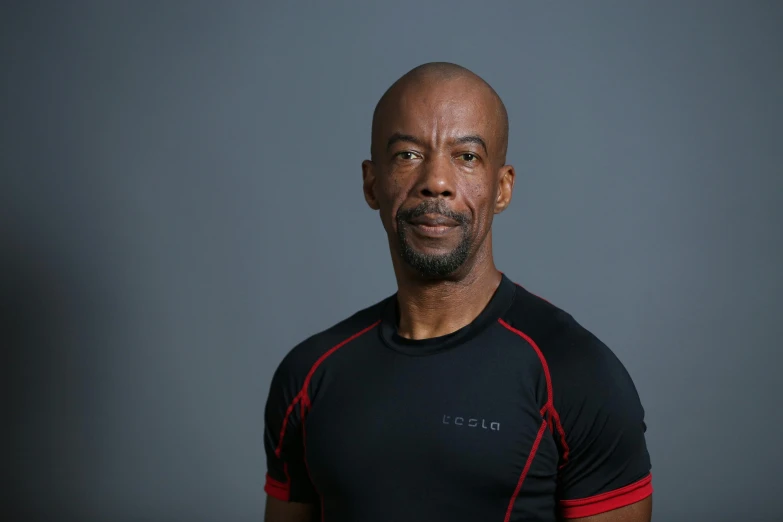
x,y
438,206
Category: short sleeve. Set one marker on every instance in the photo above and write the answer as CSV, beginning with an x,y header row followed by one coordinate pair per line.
x,y
287,477
605,464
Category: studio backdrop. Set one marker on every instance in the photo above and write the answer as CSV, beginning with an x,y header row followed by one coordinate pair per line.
x,y
181,203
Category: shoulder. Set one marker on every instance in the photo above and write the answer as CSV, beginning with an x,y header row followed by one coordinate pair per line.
x,y
300,359
592,406
578,363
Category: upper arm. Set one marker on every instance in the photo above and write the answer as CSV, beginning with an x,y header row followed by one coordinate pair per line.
x,y
605,470
287,476
281,511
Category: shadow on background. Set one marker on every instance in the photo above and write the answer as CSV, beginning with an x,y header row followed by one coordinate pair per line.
x,y
53,380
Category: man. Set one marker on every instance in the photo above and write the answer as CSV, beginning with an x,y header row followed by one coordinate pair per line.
x,y
462,397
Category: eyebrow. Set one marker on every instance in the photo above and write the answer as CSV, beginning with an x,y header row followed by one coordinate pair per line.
x,y
397,137
473,138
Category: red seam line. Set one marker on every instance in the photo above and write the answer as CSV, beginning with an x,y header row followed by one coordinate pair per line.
x,y
302,395
285,422
550,403
529,462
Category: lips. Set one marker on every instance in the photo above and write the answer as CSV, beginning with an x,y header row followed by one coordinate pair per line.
x,y
433,220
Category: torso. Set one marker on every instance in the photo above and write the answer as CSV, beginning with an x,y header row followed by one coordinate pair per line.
x,y
460,428
393,422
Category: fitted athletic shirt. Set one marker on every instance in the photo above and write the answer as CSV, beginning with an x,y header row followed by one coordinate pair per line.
x,y
521,415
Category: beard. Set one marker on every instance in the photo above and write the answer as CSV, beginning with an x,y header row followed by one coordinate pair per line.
x,y
433,265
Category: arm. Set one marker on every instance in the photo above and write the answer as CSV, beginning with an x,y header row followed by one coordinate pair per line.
x,y
605,466
291,496
281,511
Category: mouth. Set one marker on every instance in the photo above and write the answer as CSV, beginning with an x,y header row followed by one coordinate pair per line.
x,y
433,225
433,221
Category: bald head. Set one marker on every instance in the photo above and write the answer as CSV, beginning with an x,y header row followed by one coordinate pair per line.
x,y
436,80
438,174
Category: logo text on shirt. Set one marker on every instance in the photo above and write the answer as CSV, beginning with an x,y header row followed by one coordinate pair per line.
x,y
471,423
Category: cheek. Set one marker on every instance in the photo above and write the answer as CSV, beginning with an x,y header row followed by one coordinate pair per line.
x,y
481,199
390,199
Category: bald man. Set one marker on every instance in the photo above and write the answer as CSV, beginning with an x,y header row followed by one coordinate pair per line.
x,y
462,397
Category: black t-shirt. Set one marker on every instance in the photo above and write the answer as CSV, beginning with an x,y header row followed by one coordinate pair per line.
x,y
521,415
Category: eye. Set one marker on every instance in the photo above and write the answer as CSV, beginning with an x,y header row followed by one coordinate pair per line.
x,y
406,155
468,157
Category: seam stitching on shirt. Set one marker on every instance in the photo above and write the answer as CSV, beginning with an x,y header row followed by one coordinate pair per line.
x,y
303,396
549,407
531,456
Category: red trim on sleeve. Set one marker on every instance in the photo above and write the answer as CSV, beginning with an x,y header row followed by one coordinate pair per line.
x,y
277,489
302,396
530,458
550,401
587,507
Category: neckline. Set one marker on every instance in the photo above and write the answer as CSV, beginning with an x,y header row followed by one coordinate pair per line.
x,y
500,302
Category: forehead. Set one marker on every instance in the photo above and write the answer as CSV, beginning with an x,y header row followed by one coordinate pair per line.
x,y
435,110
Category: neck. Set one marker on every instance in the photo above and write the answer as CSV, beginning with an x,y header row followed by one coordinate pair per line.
x,y
436,308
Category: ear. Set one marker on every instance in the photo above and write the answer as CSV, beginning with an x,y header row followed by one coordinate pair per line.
x,y
505,188
368,177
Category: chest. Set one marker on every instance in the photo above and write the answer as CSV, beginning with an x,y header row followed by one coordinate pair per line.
x,y
464,423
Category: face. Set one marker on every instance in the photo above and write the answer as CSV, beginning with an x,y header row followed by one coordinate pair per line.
x,y
437,176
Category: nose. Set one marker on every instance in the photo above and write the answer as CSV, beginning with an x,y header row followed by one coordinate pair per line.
x,y
437,179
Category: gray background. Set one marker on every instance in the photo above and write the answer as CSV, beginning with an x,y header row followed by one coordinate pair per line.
x,y
181,204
